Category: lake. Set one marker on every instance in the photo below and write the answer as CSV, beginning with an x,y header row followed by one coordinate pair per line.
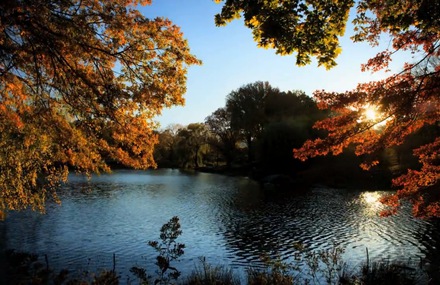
x,y
231,221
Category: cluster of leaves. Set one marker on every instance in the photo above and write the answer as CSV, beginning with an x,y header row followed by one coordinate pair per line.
x,y
309,28
80,82
270,122
406,101
247,108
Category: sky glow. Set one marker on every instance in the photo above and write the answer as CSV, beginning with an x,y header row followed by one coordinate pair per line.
x,y
232,59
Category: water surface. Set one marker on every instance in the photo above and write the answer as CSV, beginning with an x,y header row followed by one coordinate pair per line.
x,y
229,220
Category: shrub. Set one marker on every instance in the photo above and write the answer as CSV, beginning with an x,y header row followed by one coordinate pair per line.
x,y
168,250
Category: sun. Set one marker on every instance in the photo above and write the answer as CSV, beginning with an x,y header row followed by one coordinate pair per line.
x,y
371,113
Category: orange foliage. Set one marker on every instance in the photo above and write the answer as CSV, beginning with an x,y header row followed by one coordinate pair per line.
x,y
407,101
80,84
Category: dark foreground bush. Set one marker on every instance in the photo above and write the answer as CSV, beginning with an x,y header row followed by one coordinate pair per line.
x,y
25,268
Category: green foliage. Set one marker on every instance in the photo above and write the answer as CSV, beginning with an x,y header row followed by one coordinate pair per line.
x,y
290,117
165,151
265,122
285,105
191,144
309,28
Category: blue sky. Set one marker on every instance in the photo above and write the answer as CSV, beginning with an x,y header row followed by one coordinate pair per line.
x,y
232,59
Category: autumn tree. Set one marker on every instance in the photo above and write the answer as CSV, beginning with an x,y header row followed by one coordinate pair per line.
x,y
80,82
402,103
247,107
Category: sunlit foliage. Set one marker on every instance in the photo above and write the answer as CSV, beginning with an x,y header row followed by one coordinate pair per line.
x,y
309,28
80,82
405,102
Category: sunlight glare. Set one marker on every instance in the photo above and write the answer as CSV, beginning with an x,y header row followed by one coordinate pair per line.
x,y
371,203
370,197
371,113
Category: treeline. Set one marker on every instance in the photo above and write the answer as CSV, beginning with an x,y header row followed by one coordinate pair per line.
x,y
259,125
255,133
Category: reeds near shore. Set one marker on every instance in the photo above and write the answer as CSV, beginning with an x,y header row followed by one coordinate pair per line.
x,y
25,268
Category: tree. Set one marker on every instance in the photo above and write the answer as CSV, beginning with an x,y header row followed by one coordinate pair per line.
x,y
165,150
310,28
247,107
224,138
285,105
289,120
403,102
191,143
80,82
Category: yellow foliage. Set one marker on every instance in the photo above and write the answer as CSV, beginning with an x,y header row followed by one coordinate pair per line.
x,y
62,103
253,22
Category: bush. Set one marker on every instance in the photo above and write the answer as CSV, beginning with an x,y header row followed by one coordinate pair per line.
x,y
169,250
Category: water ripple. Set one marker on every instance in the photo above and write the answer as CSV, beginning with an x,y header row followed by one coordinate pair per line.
x,y
230,221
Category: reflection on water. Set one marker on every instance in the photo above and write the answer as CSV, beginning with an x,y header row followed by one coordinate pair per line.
x,y
228,220
371,201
